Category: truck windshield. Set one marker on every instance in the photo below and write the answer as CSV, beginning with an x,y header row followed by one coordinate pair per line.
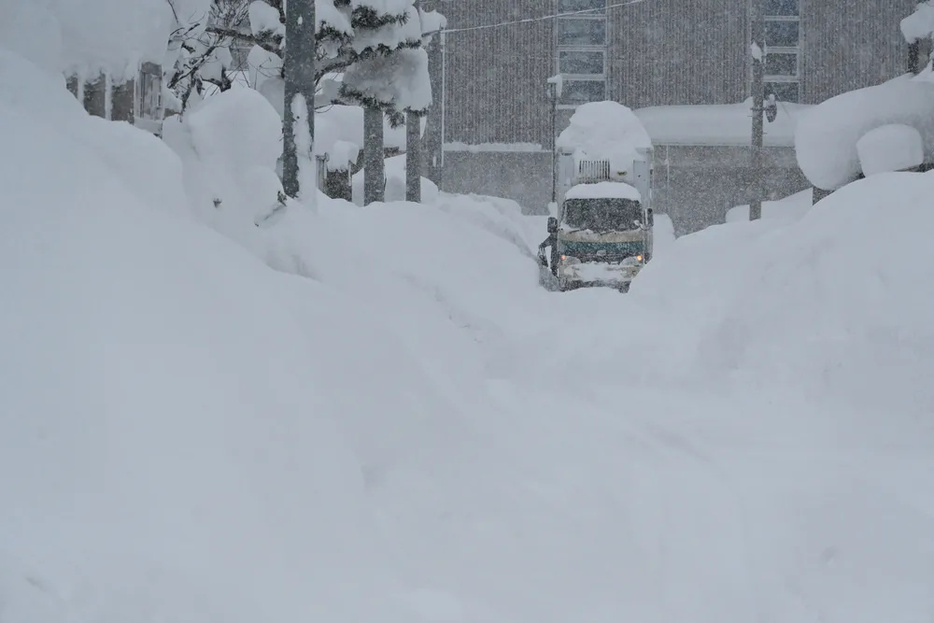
x,y
602,214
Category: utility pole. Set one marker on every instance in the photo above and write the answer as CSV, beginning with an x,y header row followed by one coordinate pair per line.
x,y
758,49
299,70
413,151
432,144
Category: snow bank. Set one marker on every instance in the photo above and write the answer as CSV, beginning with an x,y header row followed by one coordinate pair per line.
x,y
890,148
155,461
229,145
792,208
826,138
726,124
605,131
804,304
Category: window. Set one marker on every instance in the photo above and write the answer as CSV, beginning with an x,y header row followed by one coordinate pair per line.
x,y
783,91
581,31
581,62
577,92
783,44
781,64
597,7
581,42
781,34
781,7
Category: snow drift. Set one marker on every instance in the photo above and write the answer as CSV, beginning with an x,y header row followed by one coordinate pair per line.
x,y
415,430
163,445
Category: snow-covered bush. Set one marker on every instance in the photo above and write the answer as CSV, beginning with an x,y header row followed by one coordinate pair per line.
x,y
827,135
229,145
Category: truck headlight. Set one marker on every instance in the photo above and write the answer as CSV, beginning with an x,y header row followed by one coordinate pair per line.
x,y
569,260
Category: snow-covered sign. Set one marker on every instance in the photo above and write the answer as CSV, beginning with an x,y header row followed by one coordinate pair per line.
x,y
890,148
605,131
826,138
604,190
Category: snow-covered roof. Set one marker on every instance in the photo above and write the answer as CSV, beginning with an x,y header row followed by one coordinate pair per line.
x,y
826,138
718,125
605,131
604,190
84,38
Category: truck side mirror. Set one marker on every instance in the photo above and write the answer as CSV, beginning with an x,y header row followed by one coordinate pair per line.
x,y
651,217
552,225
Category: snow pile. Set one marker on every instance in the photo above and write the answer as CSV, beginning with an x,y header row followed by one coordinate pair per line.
x,y
604,190
792,208
155,460
920,24
805,304
229,146
725,124
890,148
605,131
826,138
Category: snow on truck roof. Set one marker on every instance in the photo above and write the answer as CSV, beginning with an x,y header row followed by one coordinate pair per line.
x,y
604,190
605,131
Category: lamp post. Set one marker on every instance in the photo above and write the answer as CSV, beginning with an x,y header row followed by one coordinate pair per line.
x,y
555,87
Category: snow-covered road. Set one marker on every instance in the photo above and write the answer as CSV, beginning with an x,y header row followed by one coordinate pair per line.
x,y
398,424
602,470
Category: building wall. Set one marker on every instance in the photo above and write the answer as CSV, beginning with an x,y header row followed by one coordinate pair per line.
x,y
660,52
851,44
667,52
496,78
524,177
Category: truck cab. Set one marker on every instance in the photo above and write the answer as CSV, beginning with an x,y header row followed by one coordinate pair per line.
x,y
603,235
603,231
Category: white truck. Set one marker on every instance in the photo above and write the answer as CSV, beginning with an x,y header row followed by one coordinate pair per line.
x,y
602,235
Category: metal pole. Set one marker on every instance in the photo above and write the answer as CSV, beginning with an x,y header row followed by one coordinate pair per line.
x,y
444,98
758,49
299,71
554,143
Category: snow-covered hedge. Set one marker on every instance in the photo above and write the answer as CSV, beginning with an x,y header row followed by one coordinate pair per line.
x,y
827,136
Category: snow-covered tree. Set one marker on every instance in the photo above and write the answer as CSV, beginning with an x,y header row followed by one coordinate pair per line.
x,y
199,50
919,25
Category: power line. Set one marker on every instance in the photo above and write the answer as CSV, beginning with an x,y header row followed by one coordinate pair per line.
x,y
530,20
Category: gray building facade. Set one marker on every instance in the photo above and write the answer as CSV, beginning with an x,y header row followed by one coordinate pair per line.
x,y
499,54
